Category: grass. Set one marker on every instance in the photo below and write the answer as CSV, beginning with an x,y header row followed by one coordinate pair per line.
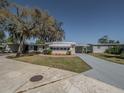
x,y
109,57
74,64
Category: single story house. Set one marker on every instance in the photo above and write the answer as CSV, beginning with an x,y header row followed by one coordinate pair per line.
x,y
56,47
101,48
36,47
62,47
26,48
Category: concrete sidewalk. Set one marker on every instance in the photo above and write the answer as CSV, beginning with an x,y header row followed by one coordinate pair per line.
x,y
104,71
15,78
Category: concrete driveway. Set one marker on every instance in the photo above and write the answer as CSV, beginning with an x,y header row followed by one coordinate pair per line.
x,y
105,71
15,77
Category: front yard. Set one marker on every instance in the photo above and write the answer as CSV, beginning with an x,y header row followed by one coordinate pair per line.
x,y
109,57
74,64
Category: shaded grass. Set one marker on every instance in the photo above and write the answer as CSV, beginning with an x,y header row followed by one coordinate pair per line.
x,y
109,57
74,64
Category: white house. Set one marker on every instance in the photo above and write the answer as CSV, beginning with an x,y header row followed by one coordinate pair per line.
x,y
62,47
101,48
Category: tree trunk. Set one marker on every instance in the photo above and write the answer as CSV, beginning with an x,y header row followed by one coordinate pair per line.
x,y
20,48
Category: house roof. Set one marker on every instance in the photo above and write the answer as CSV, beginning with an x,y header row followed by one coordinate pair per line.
x,y
28,44
83,45
107,44
61,44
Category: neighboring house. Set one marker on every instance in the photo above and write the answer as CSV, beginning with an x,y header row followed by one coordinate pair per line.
x,y
3,47
62,47
101,48
35,47
11,47
26,48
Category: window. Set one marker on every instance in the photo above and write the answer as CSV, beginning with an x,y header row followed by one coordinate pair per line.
x,y
43,47
65,48
68,48
57,48
61,48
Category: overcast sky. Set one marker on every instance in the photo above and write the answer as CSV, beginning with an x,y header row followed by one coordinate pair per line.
x,y
85,20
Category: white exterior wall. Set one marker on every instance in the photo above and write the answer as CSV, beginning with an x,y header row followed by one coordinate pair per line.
x,y
59,47
99,49
40,49
72,49
61,52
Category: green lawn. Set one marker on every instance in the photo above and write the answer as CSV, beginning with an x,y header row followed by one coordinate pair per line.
x,y
109,57
74,64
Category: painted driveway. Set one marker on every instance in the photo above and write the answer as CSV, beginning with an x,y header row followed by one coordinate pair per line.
x,y
105,71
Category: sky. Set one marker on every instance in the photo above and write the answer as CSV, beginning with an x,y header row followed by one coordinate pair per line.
x,y
85,21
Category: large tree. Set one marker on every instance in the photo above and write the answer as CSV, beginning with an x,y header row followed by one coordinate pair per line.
x,y
2,36
105,40
4,4
49,28
26,23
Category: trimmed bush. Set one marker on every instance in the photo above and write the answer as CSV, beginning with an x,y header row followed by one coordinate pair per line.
x,y
47,51
122,54
68,52
114,50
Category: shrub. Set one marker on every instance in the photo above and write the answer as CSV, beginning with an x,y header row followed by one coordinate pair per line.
x,y
122,54
68,52
47,51
114,50
107,51
1,48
